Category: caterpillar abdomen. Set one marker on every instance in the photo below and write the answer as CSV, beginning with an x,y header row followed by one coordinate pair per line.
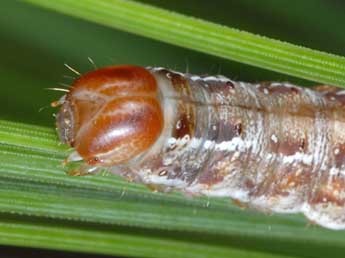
x,y
274,146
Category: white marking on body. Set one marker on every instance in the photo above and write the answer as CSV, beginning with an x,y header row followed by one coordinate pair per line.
x,y
178,124
235,144
342,92
222,189
171,142
149,178
274,138
195,78
209,144
324,215
218,78
334,171
298,157
210,78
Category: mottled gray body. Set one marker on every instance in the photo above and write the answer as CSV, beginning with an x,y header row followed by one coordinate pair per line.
x,y
274,146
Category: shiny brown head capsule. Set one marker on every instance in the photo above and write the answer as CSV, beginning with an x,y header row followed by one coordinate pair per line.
x,y
111,115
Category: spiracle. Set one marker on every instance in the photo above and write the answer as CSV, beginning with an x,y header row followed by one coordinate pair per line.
x,y
274,146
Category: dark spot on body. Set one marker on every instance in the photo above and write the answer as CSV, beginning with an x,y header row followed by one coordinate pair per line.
x,y
177,79
228,131
230,85
285,181
249,184
289,179
238,129
210,177
220,87
288,146
339,155
302,145
268,88
183,127
330,190
283,90
335,96
175,172
93,161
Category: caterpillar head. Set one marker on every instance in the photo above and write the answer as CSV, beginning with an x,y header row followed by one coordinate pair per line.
x,y
111,115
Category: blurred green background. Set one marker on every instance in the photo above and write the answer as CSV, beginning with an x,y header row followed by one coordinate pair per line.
x,y
35,44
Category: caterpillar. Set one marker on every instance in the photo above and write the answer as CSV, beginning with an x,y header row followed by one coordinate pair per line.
x,y
273,146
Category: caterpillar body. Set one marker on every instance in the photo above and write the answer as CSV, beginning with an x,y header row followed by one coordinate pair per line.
x,y
273,146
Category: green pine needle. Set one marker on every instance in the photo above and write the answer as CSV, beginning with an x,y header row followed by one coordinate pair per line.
x,y
206,37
